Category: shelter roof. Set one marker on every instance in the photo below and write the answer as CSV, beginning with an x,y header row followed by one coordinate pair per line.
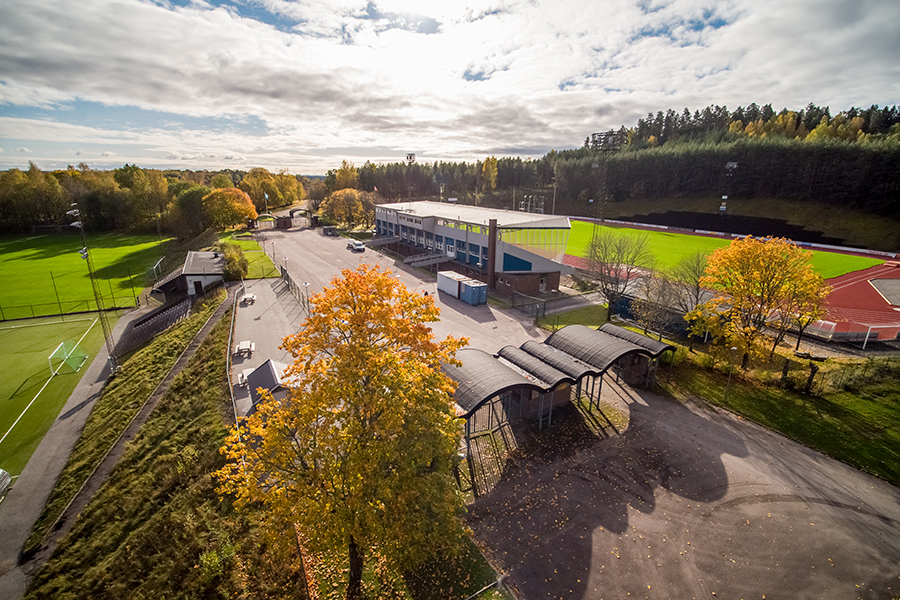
x,y
568,364
594,347
565,357
506,219
204,263
546,373
481,377
653,347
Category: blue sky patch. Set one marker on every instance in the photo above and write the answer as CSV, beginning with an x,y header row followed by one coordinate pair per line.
x,y
100,116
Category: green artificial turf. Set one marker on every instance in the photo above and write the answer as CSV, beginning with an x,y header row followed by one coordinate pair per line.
x,y
45,274
27,345
669,248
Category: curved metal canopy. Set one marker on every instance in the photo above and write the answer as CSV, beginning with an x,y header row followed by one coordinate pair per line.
x,y
481,377
566,356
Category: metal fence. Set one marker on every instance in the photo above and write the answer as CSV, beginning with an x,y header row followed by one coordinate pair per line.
x,y
64,307
825,378
530,304
300,291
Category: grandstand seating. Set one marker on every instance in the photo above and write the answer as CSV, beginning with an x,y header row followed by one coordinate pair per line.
x,y
147,327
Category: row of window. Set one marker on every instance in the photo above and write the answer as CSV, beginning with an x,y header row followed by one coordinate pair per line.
x,y
474,254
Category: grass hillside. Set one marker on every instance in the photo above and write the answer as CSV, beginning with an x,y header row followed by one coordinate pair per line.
x,y
157,529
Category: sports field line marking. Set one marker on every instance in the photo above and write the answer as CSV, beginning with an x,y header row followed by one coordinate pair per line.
x,y
26,409
42,324
41,390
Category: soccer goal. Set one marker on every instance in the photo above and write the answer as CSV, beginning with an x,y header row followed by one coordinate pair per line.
x,y
67,358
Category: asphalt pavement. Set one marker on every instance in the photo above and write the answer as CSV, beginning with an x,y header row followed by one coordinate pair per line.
x,y
690,502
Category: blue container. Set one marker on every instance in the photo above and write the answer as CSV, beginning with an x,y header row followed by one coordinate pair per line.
x,y
473,292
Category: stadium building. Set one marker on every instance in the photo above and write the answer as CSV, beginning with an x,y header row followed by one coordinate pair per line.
x,y
510,251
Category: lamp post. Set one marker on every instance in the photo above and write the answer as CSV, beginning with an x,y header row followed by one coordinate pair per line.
x,y
306,295
730,371
98,298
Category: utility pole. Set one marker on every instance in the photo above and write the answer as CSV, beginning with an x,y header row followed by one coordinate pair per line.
x,y
98,298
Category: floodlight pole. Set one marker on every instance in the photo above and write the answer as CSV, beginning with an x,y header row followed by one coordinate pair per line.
x,y
98,298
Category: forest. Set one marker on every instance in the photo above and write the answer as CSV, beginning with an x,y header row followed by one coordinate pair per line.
x,y
850,159
133,198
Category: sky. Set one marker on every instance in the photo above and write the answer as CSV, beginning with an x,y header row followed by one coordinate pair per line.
x,y
301,86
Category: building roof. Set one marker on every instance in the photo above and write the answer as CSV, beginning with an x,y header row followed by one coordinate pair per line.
x,y
204,263
506,219
267,376
564,357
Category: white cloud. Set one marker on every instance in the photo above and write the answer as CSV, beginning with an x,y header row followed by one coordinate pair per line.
x,y
23,149
494,74
107,153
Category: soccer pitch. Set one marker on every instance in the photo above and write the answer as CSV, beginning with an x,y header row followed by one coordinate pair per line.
x,y
45,274
28,345
668,248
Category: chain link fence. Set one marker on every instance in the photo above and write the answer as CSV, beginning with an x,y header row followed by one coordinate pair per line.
x,y
821,378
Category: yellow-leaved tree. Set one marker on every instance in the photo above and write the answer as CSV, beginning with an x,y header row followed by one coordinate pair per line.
x,y
489,174
759,284
227,207
262,188
359,455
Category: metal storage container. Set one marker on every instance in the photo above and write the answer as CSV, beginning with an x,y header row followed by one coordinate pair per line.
x,y
449,282
473,292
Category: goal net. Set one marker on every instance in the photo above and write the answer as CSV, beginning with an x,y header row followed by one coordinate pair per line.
x,y
67,358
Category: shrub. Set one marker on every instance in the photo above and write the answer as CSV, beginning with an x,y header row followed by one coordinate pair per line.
x,y
236,264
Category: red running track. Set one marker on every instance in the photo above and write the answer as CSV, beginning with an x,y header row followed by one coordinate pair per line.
x,y
856,305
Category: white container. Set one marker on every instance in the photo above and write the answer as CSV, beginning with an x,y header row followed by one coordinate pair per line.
x,y
449,282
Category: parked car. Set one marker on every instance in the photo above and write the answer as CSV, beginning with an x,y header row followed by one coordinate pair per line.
x,y
356,246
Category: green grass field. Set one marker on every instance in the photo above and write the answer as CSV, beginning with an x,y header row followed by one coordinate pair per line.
x,y
45,275
27,346
668,248
260,265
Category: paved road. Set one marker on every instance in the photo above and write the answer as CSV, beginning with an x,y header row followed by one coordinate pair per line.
x,y
316,258
691,502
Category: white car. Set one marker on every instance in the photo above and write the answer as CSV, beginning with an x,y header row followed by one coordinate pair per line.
x,y
356,246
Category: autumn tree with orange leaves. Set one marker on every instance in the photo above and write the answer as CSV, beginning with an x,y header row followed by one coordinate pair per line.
x,y
359,456
227,207
759,284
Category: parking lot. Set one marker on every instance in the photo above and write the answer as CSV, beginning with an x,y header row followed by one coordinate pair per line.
x,y
311,257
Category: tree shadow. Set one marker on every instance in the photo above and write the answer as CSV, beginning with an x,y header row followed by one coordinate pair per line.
x,y
539,519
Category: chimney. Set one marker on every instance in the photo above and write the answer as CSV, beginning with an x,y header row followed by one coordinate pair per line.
x,y
492,251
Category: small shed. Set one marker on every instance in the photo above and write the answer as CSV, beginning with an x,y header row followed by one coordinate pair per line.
x,y
201,271
267,376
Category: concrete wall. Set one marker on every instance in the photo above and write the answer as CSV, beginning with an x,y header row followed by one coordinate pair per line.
x,y
205,280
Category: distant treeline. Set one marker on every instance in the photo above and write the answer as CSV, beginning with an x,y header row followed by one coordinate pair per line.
x,y
851,159
170,201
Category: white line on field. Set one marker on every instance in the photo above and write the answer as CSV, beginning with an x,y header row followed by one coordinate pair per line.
x,y
26,409
42,389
